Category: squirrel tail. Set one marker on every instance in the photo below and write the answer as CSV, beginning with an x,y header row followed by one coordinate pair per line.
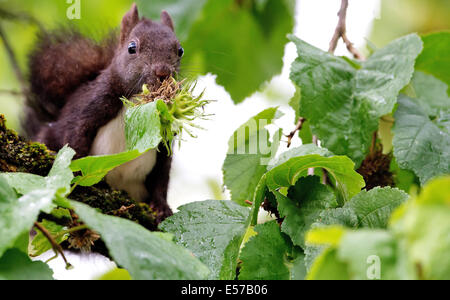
x,y
61,62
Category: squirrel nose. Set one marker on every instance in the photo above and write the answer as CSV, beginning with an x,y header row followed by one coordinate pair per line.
x,y
162,72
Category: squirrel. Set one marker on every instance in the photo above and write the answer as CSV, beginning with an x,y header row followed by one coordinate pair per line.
x,y
76,85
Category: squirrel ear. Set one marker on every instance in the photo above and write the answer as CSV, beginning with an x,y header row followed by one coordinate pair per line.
x,y
166,19
130,20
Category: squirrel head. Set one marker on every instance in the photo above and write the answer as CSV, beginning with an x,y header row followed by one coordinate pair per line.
x,y
148,51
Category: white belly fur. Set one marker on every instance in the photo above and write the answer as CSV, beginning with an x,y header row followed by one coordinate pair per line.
x,y
129,177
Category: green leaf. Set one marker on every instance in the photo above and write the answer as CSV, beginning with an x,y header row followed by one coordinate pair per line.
x,y
434,57
22,242
340,168
373,208
343,103
144,254
431,92
328,267
116,274
302,206
183,12
298,270
294,164
420,144
363,249
142,127
302,150
423,228
321,254
436,192
320,236
305,132
362,254
270,255
213,230
330,235
295,101
368,209
403,179
60,213
94,168
40,243
344,216
415,246
16,265
59,177
247,157
18,215
24,183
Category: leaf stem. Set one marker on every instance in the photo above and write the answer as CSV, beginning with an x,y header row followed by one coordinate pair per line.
x,y
70,230
56,247
73,187
298,127
341,32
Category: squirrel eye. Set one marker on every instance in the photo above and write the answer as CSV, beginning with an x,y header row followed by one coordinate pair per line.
x,y
180,52
132,48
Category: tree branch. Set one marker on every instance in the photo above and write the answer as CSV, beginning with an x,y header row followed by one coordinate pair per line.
x,y
298,127
340,32
21,17
11,92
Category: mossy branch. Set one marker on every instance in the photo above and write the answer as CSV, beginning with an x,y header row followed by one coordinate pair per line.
x,y
19,155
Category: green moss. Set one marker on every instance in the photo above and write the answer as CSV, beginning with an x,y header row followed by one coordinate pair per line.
x,y
19,155
116,203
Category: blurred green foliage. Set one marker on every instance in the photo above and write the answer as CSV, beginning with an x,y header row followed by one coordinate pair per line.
x,y
400,17
97,18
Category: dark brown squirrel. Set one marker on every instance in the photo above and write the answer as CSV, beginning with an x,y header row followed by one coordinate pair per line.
x,y
76,86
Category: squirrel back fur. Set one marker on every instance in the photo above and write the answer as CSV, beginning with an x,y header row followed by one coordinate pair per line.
x,y
62,61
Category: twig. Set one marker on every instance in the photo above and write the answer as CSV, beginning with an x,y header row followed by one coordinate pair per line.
x,y
11,92
70,230
14,63
56,247
291,135
122,210
20,16
340,32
